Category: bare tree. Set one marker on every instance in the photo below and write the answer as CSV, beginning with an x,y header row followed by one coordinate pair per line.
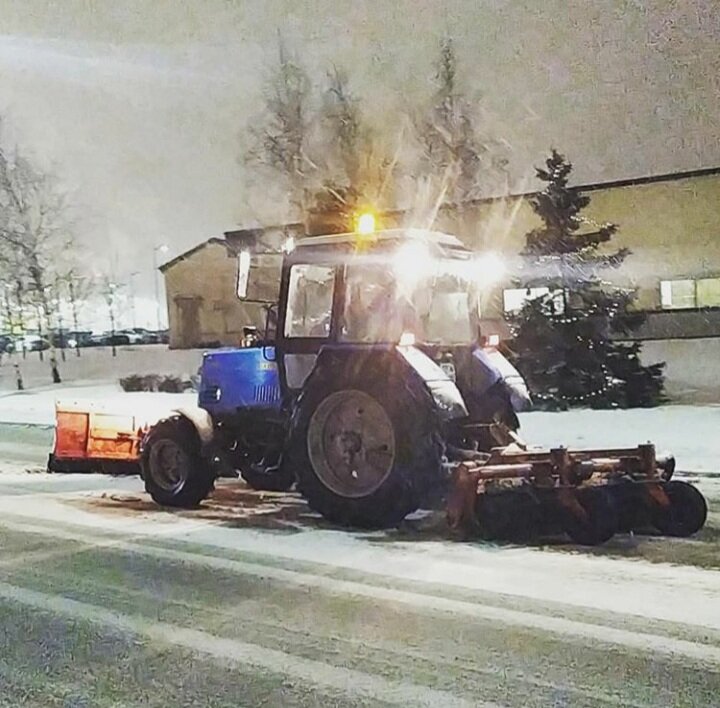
x,y
332,160
347,133
281,139
455,146
74,288
34,236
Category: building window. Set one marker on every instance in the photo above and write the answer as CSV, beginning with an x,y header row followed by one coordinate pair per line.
x,y
677,294
515,298
708,292
687,294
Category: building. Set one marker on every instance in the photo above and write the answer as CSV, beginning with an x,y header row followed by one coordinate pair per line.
x,y
201,286
670,223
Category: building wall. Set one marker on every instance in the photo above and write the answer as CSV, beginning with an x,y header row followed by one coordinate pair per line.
x,y
205,282
672,229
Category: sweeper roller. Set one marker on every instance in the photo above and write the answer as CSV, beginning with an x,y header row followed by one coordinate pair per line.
x,y
590,494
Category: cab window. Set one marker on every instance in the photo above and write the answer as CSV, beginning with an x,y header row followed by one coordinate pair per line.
x,y
310,301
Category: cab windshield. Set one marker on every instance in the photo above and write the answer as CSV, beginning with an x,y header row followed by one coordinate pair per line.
x,y
384,301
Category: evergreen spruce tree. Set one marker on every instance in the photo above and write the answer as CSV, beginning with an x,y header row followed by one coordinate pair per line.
x,y
566,340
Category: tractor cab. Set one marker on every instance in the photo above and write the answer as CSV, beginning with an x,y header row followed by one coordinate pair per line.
x,y
396,287
408,287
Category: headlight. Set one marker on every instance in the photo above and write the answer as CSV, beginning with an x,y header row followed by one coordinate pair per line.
x,y
413,261
489,269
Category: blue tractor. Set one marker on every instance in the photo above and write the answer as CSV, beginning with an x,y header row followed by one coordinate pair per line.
x,y
372,392
368,378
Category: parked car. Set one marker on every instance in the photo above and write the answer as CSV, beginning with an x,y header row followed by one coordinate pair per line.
x,y
113,339
79,339
105,339
28,343
70,338
146,336
95,340
133,337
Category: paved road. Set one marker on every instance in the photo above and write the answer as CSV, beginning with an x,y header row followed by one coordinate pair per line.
x,y
107,601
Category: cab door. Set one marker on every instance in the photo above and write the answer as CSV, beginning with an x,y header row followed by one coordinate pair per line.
x,y
306,322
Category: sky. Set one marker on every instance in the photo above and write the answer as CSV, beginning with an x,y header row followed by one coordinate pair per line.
x,y
141,107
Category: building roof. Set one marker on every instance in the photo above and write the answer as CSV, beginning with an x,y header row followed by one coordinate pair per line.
x,y
650,179
591,187
214,241
240,235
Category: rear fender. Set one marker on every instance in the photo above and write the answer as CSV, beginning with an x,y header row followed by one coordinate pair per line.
x,y
201,420
421,375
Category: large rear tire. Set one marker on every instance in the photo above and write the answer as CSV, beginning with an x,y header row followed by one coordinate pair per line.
x,y
686,514
366,454
174,472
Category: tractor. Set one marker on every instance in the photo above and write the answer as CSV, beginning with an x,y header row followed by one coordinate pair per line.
x,y
373,391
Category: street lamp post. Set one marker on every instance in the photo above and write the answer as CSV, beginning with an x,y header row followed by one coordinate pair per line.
x,y
132,297
110,298
162,248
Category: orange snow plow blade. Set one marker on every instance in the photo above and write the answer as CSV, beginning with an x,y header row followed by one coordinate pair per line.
x,y
89,438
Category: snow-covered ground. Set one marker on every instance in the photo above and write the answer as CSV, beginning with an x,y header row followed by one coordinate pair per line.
x,y
402,619
689,432
408,616
38,407
98,366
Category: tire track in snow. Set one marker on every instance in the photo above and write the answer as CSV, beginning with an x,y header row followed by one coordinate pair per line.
x,y
652,643
393,654
349,681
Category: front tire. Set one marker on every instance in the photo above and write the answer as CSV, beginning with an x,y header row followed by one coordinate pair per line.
x,y
174,472
364,455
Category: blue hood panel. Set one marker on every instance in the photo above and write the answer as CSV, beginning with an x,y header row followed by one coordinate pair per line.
x,y
232,379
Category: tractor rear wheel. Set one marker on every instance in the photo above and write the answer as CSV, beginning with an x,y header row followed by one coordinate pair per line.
x,y
686,514
174,472
600,522
364,455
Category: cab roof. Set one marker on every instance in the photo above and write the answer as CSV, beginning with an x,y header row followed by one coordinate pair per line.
x,y
431,237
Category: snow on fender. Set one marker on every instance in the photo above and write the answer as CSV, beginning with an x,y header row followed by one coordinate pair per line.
x,y
201,420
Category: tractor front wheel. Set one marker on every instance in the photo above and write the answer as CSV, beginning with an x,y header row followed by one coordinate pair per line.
x,y
173,469
364,455
686,513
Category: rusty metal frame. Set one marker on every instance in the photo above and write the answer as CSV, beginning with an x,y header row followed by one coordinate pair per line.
x,y
560,469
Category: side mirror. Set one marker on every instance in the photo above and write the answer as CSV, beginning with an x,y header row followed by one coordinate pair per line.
x,y
271,319
243,273
250,337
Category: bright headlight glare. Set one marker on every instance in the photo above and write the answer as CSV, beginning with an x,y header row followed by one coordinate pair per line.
x,y
413,261
407,339
489,268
